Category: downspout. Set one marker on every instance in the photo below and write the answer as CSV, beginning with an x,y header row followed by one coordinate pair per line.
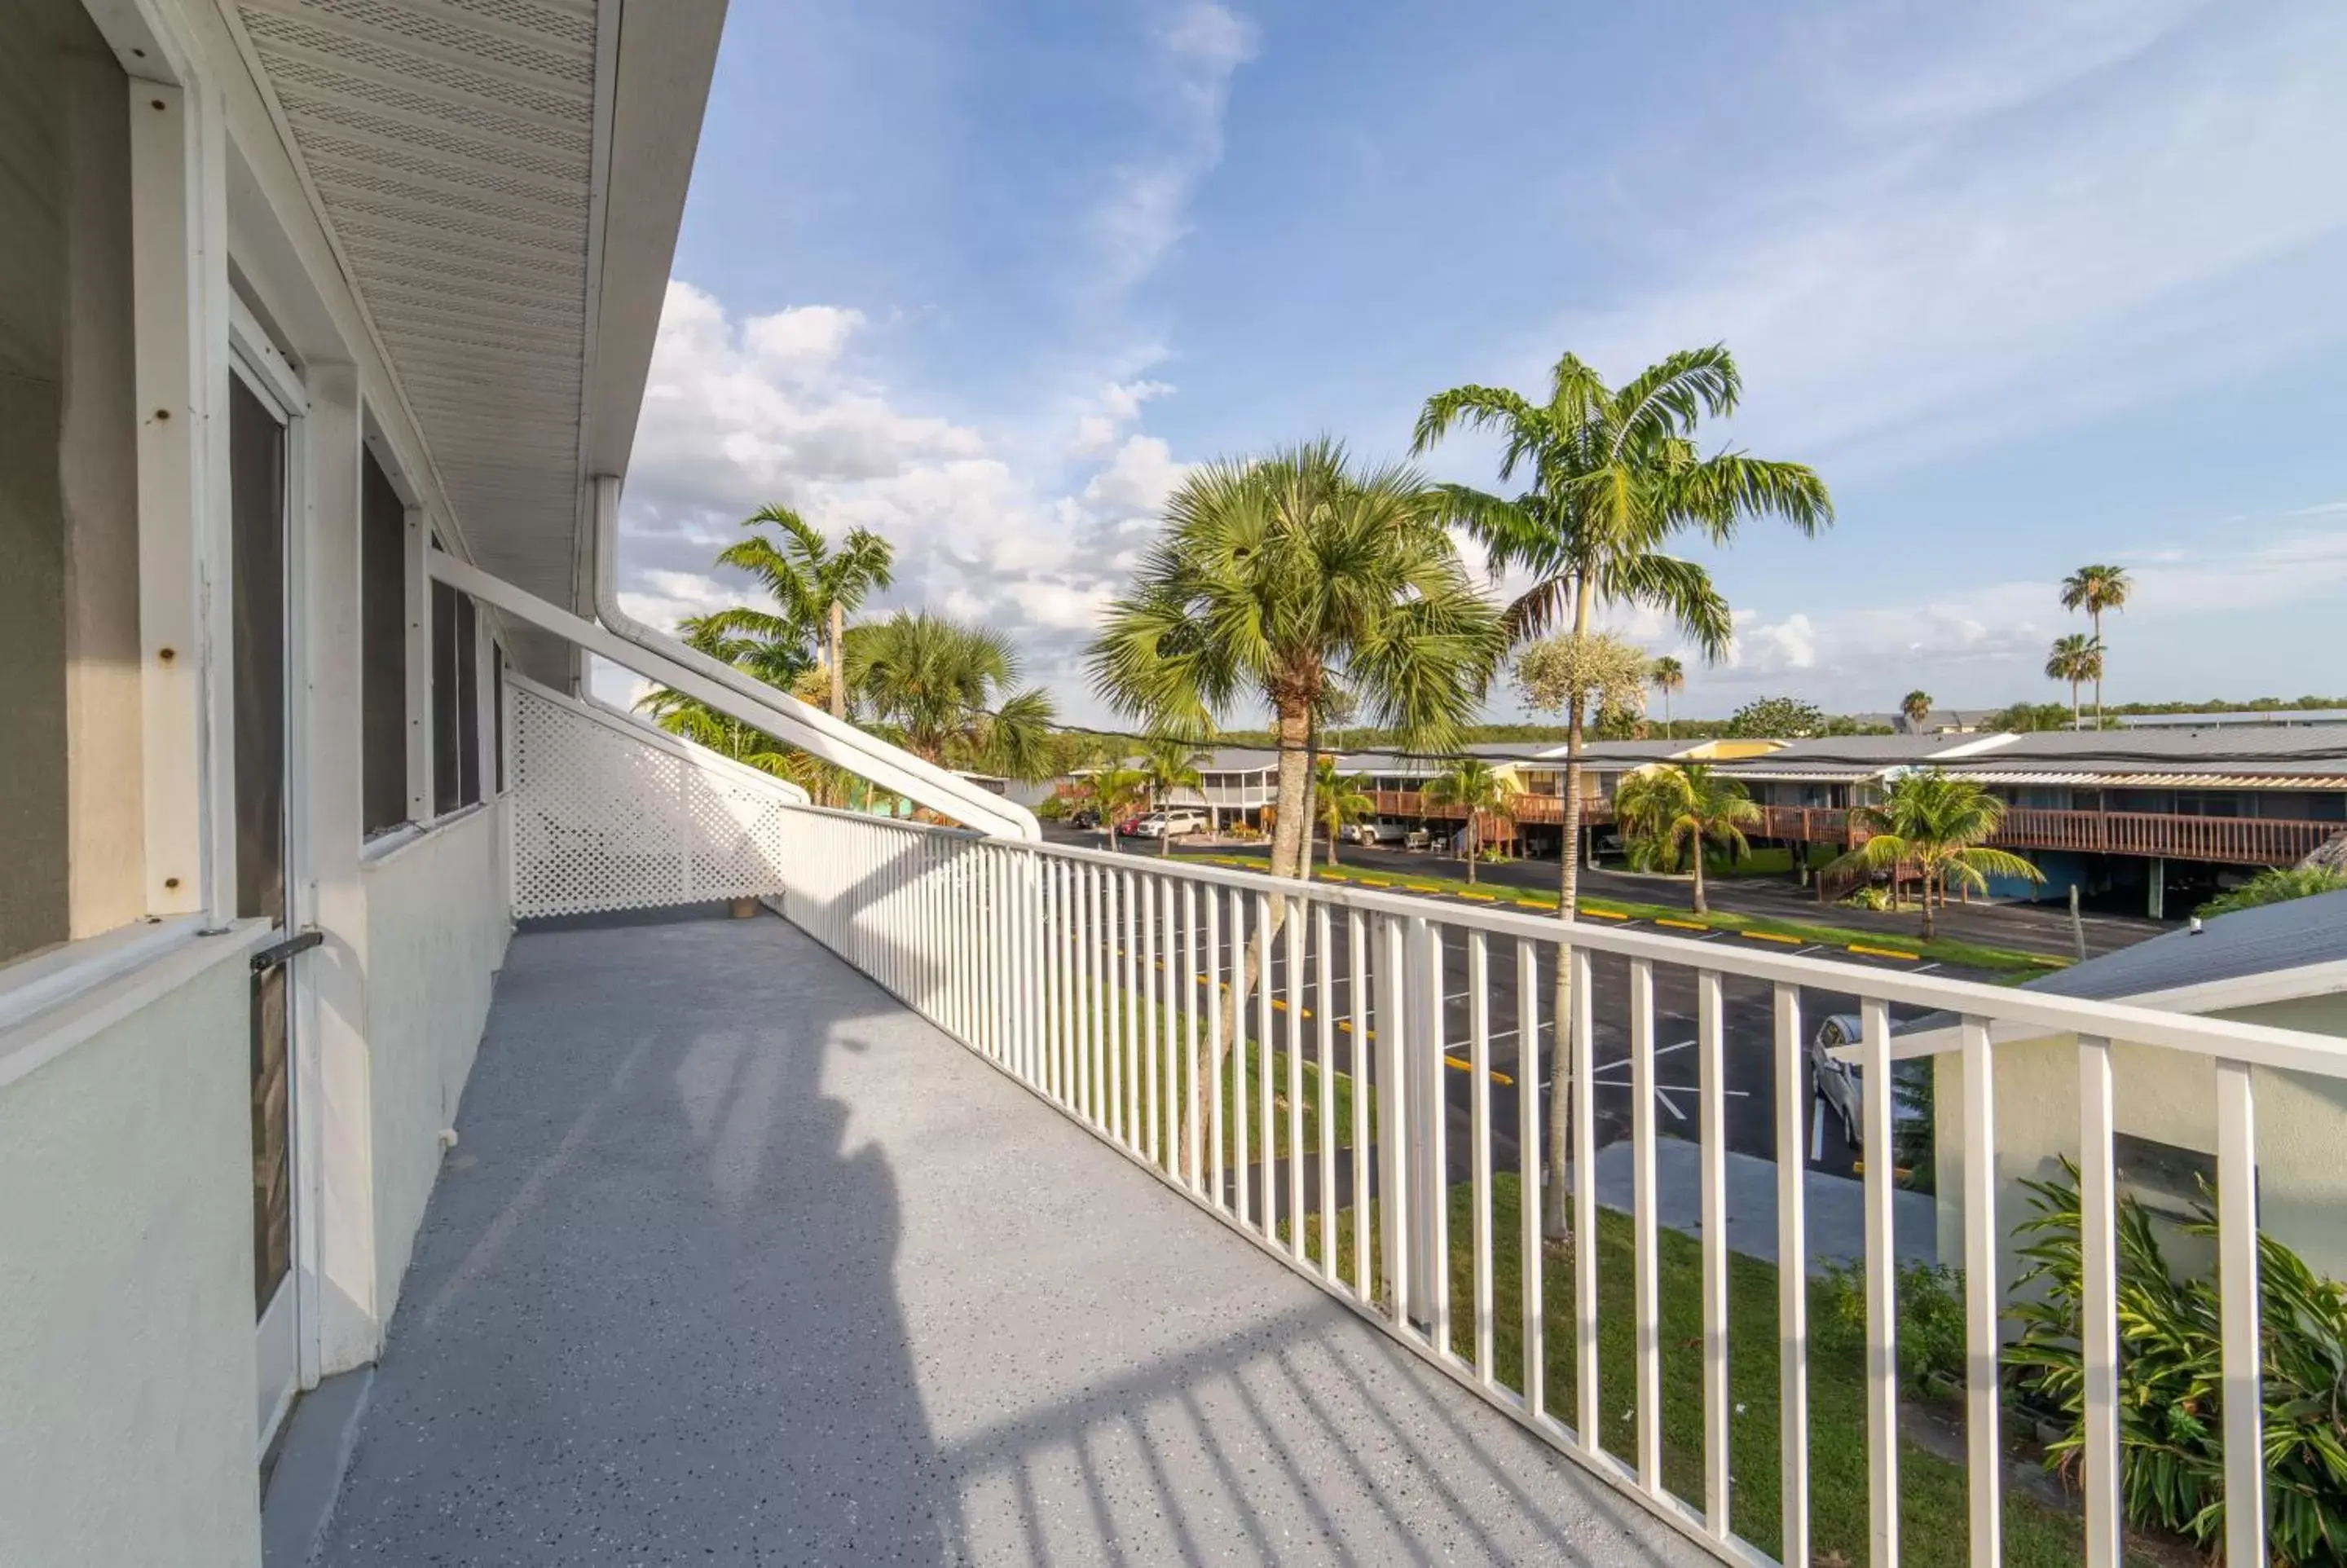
x,y
833,740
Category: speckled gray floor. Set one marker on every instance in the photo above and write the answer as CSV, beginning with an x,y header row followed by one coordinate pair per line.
x,y
739,1262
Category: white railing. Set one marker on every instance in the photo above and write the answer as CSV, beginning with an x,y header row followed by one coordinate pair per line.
x,y
1103,983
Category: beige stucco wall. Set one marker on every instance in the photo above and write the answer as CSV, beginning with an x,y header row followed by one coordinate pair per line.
x,y
127,1382
437,922
2170,1096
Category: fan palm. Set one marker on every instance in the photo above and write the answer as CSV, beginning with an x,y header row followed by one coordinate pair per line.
x,y
1274,578
1474,785
781,663
2076,659
948,693
1940,823
817,586
1339,800
1117,792
1680,810
1915,707
2095,588
1171,764
1669,676
1615,477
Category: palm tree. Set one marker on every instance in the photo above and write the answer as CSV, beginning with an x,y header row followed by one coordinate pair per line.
x,y
1940,823
1669,676
1917,707
1170,763
1678,809
1472,783
817,586
1337,801
948,693
1116,792
1274,578
779,663
2095,588
2076,659
1615,477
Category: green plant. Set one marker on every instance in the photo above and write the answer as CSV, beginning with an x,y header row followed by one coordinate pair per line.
x,y
1931,1320
816,585
1338,800
1777,718
1671,811
2279,885
2076,657
2095,588
943,689
1938,823
1875,898
1473,786
1915,707
2171,1376
1669,678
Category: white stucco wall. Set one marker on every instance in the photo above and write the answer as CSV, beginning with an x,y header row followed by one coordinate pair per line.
x,y
437,924
2169,1096
127,1380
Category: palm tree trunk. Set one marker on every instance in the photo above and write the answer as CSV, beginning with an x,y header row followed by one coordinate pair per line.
x,y
838,668
2095,619
1927,905
1287,860
1474,836
1700,908
1560,1100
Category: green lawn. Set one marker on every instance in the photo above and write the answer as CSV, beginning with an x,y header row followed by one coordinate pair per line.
x,y
1932,1528
1967,955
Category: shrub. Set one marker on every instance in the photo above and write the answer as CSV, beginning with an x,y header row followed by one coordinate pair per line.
x,y
2171,1387
1931,1329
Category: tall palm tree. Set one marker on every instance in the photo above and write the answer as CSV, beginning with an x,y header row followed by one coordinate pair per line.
x,y
1917,707
1171,764
1615,477
2095,588
1474,785
1940,823
2076,659
817,585
948,693
1680,810
1337,801
1275,577
1669,676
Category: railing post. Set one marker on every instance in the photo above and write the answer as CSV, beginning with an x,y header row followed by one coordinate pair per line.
x,y
1430,1282
2238,1308
1393,1111
2098,1303
1984,1456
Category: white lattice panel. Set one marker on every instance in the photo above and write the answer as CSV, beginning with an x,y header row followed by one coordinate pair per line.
x,y
610,813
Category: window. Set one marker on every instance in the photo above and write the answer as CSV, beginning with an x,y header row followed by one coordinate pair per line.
x,y
72,825
456,702
383,648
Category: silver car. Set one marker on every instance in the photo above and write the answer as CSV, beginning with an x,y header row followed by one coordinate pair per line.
x,y
1842,1084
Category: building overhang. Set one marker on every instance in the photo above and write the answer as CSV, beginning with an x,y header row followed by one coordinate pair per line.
x,y
501,187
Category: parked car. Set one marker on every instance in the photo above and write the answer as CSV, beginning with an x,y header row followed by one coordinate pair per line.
x,y
1374,833
1842,1084
1178,823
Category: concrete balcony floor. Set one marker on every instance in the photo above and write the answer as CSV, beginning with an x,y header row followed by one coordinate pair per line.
x,y
738,1261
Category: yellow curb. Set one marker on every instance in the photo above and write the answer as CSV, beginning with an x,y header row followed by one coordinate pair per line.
x,y
1453,1061
1882,952
1372,882
1769,937
1599,915
1478,898
1680,925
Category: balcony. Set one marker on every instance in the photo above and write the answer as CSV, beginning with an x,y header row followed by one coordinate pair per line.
x,y
1008,1201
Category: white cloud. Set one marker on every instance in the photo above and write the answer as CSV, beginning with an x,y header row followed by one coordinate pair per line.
x,y
1135,481
1962,272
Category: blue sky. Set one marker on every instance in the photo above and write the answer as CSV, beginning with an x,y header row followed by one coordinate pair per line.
x,y
2031,285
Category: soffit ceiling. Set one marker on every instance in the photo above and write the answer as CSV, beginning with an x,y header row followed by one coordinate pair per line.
x,y
451,145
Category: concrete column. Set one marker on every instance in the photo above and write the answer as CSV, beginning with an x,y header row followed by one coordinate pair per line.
x,y
2156,904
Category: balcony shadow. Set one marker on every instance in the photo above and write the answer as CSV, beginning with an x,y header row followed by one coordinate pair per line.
x,y
738,1261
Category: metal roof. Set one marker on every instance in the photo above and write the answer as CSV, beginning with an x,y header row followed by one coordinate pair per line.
x,y
2213,776
2247,942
